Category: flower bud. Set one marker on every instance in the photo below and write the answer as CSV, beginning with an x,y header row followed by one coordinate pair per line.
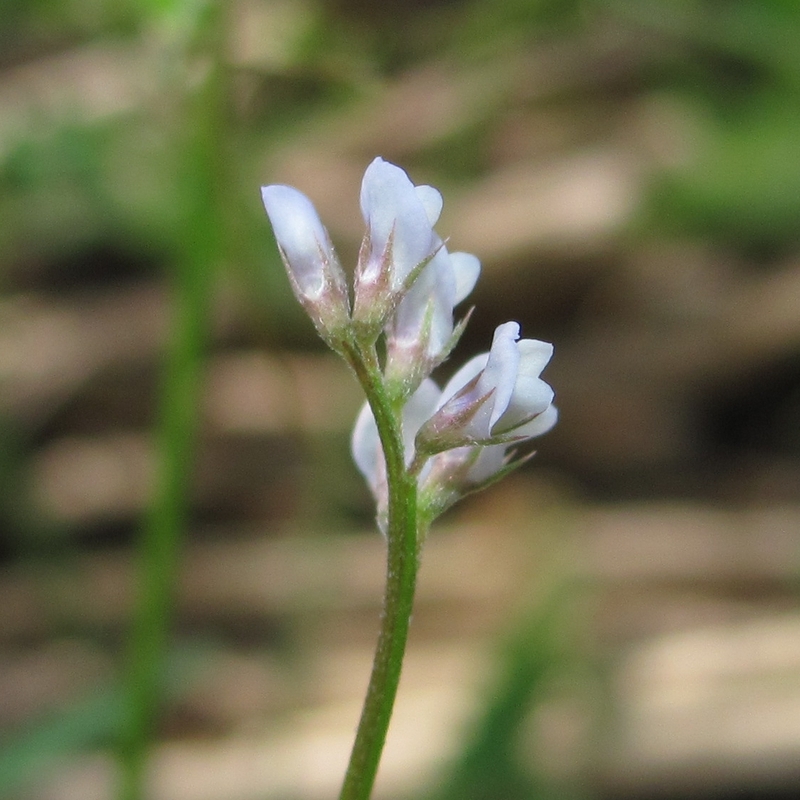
x,y
399,240
311,263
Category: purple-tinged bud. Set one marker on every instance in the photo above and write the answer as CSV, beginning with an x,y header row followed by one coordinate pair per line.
x,y
310,260
399,241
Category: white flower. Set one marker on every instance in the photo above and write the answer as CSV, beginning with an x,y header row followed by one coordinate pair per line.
x,y
495,398
311,263
460,438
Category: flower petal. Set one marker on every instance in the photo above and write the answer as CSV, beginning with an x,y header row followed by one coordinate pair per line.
x,y
418,409
366,449
534,356
531,396
392,209
491,459
300,235
432,202
539,424
467,269
500,373
432,293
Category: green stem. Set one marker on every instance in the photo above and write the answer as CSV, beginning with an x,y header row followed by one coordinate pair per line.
x,y
163,531
401,577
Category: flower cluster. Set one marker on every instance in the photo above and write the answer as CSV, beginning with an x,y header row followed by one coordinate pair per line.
x,y
406,287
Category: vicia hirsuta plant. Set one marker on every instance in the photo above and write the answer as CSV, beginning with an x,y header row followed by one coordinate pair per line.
x,y
419,447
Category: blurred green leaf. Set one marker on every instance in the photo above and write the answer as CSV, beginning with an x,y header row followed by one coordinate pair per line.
x,y
743,184
539,655
89,722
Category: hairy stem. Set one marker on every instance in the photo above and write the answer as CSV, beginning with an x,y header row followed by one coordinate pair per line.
x,y
401,577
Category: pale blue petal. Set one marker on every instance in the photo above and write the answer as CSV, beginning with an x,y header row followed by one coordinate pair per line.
x,y
467,269
300,235
479,425
539,425
490,461
418,410
534,356
531,396
366,448
391,207
432,202
435,286
500,374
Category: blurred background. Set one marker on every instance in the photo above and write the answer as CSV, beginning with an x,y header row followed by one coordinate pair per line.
x,y
617,620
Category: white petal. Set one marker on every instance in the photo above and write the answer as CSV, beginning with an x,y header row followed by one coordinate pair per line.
x,y
366,448
491,460
467,269
442,294
391,207
531,396
539,425
534,356
435,285
300,234
455,401
432,202
418,409
501,368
